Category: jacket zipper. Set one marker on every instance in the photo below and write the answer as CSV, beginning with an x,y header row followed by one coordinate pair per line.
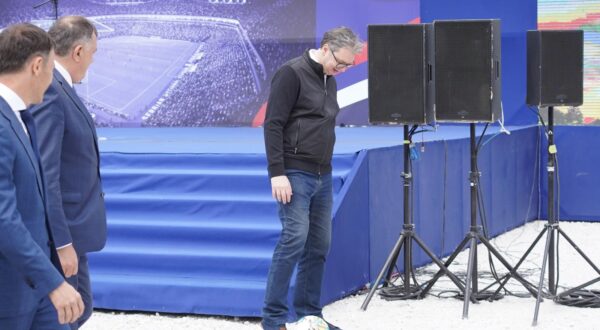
x,y
324,103
297,137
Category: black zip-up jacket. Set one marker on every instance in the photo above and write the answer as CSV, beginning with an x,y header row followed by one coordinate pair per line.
x,y
300,121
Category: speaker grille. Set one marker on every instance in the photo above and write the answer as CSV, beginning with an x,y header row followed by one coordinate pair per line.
x,y
465,77
397,74
555,67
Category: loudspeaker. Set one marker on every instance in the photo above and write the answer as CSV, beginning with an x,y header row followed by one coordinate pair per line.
x,y
555,67
398,74
466,61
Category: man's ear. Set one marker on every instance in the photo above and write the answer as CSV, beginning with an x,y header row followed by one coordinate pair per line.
x,y
76,53
36,65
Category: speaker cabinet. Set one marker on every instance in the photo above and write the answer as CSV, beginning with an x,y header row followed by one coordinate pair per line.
x,y
398,74
555,67
466,60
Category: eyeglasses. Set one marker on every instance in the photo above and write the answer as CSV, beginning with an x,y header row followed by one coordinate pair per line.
x,y
340,65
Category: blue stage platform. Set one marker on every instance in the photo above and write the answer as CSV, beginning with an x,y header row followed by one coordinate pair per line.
x,y
192,224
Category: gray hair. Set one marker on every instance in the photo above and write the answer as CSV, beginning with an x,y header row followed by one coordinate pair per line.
x,y
69,31
342,37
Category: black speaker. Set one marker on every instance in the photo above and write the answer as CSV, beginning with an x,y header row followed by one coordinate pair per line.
x,y
555,67
398,74
466,61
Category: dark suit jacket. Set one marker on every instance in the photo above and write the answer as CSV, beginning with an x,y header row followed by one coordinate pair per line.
x,y
29,268
70,160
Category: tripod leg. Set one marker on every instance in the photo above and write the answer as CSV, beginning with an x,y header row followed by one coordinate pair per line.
x,y
470,267
439,263
390,270
511,270
541,283
589,261
568,292
507,277
584,256
448,262
388,263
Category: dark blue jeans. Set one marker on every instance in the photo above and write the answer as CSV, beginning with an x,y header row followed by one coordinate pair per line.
x,y
305,239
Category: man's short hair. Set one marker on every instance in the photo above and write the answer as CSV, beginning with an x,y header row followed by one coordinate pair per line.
x,y
68,31
19,43
342,37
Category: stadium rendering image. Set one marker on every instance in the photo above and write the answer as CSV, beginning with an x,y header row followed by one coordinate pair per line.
x,y
162,80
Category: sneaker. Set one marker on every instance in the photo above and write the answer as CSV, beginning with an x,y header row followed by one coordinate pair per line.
x,y
331,326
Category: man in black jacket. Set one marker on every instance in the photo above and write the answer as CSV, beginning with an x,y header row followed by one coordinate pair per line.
x,y
299,138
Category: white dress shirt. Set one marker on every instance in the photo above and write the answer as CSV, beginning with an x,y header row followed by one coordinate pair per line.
x,y
15,102
63,72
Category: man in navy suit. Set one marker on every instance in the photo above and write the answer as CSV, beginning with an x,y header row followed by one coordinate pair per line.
x,y
33,292
70,157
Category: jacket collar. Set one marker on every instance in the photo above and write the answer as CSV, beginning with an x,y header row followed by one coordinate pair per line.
x,y
70,91
317,67
10,115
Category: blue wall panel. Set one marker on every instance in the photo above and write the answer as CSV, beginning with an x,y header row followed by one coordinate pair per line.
x,y
579,175
385,205
441,197
346,270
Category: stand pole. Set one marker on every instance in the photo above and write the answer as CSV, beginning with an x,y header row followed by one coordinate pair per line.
x,y
551,217
552,231
407,182
405,239
471,292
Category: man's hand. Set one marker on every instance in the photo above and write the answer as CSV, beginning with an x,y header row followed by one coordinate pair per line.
x,y
68,260
67,302
281,189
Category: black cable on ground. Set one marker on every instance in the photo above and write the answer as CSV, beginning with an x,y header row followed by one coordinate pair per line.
x,y
580,298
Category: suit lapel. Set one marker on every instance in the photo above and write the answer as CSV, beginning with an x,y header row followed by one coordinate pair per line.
x,y
9,114
70,91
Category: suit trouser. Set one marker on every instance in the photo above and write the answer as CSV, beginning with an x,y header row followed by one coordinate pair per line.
x,y
81,283
44,317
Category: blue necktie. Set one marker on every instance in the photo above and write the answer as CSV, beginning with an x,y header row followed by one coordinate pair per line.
x,y
27,119
30,124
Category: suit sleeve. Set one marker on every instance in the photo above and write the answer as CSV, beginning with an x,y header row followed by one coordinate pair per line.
x,y
50,123
16,243
285,88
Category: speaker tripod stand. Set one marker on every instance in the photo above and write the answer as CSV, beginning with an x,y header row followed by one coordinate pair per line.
x,y
471,291
407,235
552,231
